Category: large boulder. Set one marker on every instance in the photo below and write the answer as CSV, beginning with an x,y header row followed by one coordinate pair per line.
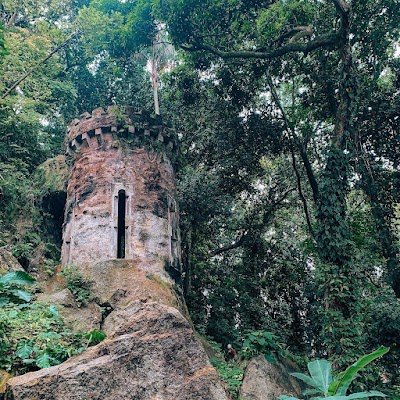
x,y
114,285
119,282
266,381
152,355
8,263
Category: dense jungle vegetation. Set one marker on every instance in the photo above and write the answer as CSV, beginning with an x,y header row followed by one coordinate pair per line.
x,y
288,114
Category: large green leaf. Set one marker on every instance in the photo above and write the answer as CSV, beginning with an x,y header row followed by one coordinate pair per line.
x,y
43,360
340,386
95,336
305,378
53,310
363,395
17,278
24,351
321,373
21,295
284,397
354,396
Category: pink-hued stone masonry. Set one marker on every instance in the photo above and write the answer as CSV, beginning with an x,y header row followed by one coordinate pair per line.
x,y
113,152
119,121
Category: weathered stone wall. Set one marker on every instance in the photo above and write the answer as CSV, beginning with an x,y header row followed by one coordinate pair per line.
x,y
113,151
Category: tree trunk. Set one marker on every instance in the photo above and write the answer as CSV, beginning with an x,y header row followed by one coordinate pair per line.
x,y
154,80
340,285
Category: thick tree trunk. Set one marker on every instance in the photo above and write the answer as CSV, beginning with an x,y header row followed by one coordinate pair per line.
x,y
340,286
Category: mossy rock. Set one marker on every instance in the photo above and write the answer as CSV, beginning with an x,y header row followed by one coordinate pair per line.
x,y
4,377
8,262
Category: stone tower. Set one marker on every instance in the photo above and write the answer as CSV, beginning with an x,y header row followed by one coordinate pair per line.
x,y
121,196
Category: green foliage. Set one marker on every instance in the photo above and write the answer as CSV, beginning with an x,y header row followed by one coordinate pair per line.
x,y
25,245
338,270
32,115
79,287
323,383
230,372
34,336
384,327
333,231
3,50
120,28
11,287
95,336
276,19
261,342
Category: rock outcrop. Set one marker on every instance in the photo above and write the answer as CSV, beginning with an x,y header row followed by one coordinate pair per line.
x,y
8,263
114,285
153,355
266,381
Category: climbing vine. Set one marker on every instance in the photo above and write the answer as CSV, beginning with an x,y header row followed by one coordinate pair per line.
x,y
338,273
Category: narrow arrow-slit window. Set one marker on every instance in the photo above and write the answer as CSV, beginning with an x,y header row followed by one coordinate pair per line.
x,y
121,224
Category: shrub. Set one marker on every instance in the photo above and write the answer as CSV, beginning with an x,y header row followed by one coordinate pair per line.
x,y
11,287
261,342
34,336
325,385
79,287
230,372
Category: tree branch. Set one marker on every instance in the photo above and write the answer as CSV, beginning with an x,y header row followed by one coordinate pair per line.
x,y
290,132
298,29
342,7
11,21
310,173
232,246
20,80
323,41
246,233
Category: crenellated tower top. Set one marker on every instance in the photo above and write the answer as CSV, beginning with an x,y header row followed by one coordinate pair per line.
x,y
136,128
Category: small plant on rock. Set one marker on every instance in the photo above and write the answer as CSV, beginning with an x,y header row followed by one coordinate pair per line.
x,y
326,386
76,283
34,336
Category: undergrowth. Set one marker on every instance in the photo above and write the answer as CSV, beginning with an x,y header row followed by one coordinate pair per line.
x,y
230,371
33,335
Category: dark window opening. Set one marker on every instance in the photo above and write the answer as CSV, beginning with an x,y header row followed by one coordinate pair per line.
x,y
121,224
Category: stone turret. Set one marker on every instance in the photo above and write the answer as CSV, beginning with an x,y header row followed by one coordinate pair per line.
x,y
121,196
121,231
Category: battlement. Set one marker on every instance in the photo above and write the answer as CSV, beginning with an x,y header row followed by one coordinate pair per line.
x,y
136,128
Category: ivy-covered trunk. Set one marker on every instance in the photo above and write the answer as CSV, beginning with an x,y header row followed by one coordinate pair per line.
x,y
338,273
339,276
